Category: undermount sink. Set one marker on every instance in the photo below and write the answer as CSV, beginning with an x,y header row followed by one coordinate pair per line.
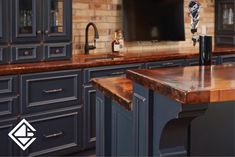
x,y
103,57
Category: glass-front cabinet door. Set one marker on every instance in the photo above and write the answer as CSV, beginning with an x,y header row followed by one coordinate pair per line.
x,y
57,17
3,21
26,21
226,18
225,22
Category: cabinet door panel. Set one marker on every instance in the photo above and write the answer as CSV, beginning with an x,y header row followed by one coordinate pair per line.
x,y
26,21
3,21
26,53
50,90
8,147
163,64
89,116
228,59
57,20
57,133
4,55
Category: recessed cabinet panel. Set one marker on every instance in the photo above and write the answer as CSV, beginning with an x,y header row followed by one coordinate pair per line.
x,y
3,21
51,90
56,132
8,86
4,55
8,147
8,107
26,53
164,64
89,116
25,20
57,17
58,51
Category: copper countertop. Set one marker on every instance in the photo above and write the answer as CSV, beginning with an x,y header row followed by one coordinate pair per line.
x,y
80,61
118,89
190,85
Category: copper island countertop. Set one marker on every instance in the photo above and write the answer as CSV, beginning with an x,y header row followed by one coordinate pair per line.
x,y
118,89
83,61
186,85
190,85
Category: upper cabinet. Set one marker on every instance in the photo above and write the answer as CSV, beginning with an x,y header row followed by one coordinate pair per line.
x,y
57,20
225,19
3,21
37,20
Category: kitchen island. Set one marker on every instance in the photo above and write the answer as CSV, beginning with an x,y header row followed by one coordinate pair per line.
x,y
182,111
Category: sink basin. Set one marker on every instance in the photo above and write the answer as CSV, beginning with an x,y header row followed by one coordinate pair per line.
x,y
103,57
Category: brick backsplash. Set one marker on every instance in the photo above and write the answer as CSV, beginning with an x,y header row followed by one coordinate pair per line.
x,y
106,14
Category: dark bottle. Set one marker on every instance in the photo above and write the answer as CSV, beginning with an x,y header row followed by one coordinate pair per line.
x,y
115,44
205,50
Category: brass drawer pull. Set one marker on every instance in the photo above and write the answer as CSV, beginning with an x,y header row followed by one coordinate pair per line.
x,y
53,91
54,135
118,73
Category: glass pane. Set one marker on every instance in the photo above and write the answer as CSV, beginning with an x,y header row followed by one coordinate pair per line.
x,y
25,17
227,16
56,22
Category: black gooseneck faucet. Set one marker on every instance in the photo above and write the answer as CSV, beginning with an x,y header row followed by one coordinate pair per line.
x,y
96,36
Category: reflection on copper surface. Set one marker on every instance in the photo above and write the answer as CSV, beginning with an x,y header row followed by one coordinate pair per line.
x,y
190,85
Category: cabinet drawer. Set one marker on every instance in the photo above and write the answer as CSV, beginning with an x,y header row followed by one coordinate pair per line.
x,y
8,107
44,91
4,55
56,132
26,53
108,71
8,86
226,59
195,61
58,51
162,64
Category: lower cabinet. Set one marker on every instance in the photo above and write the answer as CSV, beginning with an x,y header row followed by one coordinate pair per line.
x,y
61,106
195,61
8,147
163,64
57,132
89,97
227,59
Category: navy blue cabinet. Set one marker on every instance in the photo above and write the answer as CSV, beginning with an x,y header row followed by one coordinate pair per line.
x,y
58,132
226,59
37,20
3,21
51,102
195,61
8,97
4,51
50,90
89,95
26,53
9,111
161,64
8,147
35,30
224,22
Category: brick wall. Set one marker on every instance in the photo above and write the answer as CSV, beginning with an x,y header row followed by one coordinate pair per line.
x,y
107,16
